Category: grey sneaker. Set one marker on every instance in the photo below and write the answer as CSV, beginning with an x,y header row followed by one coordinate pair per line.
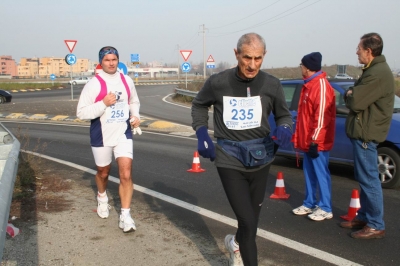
x,y
235,257
126,223
103,209
320,215
302,210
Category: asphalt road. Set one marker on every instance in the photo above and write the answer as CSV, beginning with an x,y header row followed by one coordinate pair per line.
x,y
161,164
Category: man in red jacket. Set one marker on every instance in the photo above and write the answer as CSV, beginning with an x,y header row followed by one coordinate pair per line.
x,y
314,135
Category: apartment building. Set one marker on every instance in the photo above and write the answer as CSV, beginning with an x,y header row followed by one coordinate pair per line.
x,y
8,66
58,67
28,68
45,66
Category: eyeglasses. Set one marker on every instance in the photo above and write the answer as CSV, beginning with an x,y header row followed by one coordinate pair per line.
x,y
300,64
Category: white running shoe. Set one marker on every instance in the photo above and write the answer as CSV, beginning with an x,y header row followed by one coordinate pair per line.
x,y
103,209
235,257
320,215
126,223
302,210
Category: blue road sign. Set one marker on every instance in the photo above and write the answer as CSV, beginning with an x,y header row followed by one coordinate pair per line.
x,y
52,77
186,67
122,68
70,59
136,75
210,66
135,58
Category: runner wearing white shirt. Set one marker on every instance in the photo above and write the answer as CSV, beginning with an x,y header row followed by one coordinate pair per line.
x,y
110,101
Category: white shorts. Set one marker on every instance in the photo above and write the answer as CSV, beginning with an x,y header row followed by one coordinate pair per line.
x,y
103,155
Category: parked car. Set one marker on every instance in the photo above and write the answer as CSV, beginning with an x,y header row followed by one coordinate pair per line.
x,y
80,80
343,76
342,153
5,96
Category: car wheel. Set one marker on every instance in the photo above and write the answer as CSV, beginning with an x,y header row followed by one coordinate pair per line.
x,y
2,99
389,167
74,83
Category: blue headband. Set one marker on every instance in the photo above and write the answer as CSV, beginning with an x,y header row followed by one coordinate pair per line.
x,y
107,50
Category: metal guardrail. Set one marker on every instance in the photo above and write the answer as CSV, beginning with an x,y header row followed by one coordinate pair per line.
x,y
9,152
186,92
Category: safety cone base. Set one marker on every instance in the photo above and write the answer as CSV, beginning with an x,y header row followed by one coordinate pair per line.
x,y
347,217
198,170
283,196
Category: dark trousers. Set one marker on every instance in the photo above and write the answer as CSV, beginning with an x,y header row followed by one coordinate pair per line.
x,y
245,192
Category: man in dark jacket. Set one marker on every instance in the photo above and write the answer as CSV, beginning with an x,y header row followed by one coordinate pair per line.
x,y
371,103
243,98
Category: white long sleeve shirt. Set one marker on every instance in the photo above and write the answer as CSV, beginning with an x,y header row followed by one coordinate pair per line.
x,y
108,124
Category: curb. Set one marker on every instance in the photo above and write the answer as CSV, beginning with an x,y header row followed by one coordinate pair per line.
x,y
150,124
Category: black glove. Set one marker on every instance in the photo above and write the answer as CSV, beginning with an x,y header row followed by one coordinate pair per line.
x,y
313,150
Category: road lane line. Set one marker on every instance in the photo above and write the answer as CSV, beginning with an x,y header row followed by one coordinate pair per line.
x,y
319,254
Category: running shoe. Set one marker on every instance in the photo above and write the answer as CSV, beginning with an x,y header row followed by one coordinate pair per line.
x,y
302,210
320,215
235,257
126,223
103,209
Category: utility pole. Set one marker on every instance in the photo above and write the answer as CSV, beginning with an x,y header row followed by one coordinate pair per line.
x,y
178,61
204,51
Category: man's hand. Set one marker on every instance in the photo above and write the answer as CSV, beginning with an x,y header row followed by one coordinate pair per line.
x,y
135,122
313,150
205,146
109,99
282,135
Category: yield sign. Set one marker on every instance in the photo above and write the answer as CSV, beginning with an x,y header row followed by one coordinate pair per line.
x,y
210,59
70,44
185,54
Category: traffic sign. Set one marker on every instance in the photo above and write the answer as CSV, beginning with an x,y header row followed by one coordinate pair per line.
x,y
135,58
52,77
122,68
210,66
186,54
186,67
70,59
70,44
210,59
136,75
98,69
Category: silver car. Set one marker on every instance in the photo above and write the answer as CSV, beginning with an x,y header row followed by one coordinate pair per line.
x,y
343,76
80,80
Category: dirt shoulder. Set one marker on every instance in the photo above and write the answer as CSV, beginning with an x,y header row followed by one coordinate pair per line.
x,y
59,226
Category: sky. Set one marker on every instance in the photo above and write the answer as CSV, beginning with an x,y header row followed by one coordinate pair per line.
x,y
158,30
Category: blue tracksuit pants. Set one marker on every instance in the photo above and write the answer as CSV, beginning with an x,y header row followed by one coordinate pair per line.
x,y
317,178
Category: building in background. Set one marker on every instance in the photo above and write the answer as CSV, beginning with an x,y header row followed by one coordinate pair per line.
x,y
58,67
8,66
28,67
45,66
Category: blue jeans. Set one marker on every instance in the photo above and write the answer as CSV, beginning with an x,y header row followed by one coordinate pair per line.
x,y
317,177
366,173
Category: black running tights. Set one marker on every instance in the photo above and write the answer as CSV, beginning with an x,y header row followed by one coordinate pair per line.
x,y
245,192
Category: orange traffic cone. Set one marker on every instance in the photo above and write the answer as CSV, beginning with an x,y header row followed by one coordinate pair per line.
x,y
280,192
196,168
354,206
